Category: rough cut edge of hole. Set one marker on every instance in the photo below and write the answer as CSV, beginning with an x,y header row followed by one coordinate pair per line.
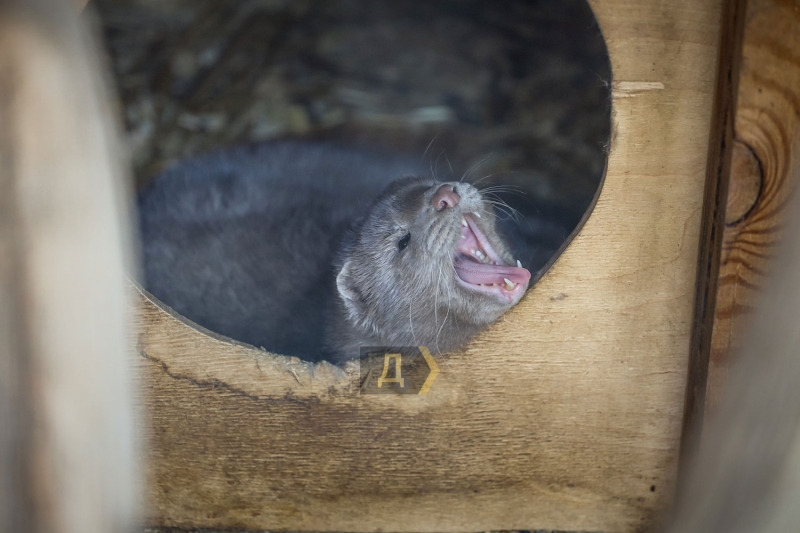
x,y
295,367
189,353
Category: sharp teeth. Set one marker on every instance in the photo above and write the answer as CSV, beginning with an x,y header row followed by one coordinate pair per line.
x,y
480,254
519,265
464,222
509,284
478,214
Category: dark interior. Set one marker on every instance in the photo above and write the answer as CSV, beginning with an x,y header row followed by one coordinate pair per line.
x,y
513,93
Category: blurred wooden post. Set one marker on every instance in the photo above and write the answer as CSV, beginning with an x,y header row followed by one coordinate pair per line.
x,y
67,427
745,474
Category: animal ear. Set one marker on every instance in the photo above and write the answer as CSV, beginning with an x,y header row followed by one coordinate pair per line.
x,y
349,293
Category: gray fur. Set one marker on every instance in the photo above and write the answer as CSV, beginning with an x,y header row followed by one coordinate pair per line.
x,y
241,241
244,242
410,297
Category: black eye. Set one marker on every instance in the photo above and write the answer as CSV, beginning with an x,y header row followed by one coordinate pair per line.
x,y
401,245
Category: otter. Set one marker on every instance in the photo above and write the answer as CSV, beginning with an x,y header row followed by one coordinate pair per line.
x,y
424,267
313,249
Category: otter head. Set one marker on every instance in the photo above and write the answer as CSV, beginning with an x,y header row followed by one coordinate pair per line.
x,y
426,267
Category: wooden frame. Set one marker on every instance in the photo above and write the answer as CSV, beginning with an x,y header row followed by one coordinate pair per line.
x,y
567,414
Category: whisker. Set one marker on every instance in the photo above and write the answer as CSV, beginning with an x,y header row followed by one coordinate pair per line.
x,y
510,193
436,166
495,174
436,312
511,190
411,323
438,333
504,188
493,195
489,212
502,206
429,146
507,213
513,213
476,166
452,174
442,357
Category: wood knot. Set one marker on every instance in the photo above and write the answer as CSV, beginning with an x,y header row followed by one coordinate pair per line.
x,y
745,183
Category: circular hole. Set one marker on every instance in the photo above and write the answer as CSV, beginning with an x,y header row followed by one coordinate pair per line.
x,y
260,131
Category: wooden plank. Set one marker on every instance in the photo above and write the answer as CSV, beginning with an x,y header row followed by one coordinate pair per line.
x,y
764,175
567,414
16,507
720,151
67,441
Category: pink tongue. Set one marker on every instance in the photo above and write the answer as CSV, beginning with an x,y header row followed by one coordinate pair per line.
x,y
482,274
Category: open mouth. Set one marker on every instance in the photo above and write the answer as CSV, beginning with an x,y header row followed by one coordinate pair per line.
x,y
480,269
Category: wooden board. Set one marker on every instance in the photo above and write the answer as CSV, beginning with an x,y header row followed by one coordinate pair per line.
x,y
67,437
712,222
764,174
566,414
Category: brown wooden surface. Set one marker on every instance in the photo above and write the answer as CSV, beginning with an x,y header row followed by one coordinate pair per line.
x,y
718,166
16,505
566,414
66,420
763,176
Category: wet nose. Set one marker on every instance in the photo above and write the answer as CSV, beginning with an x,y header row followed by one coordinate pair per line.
x,y
445,198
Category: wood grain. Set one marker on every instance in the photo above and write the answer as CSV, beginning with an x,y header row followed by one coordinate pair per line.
x,y
66,406
768,136
566,414
720,149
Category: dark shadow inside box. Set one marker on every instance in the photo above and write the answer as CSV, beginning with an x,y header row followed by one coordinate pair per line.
x,y
513,97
